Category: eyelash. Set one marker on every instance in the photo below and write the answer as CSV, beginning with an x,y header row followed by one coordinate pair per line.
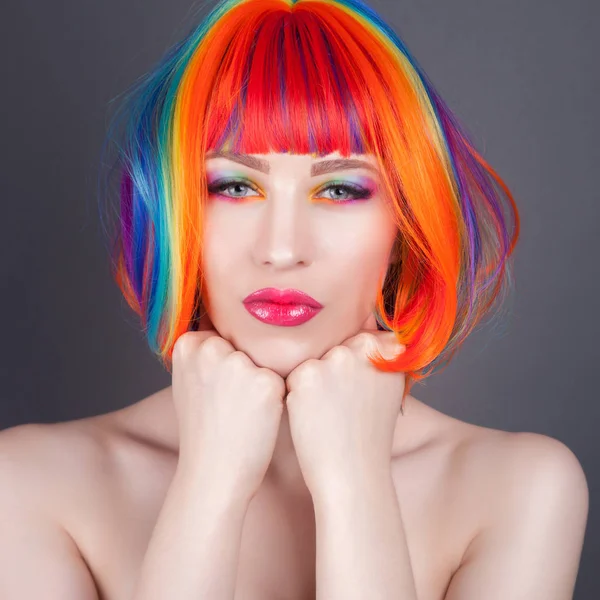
x,y
359,193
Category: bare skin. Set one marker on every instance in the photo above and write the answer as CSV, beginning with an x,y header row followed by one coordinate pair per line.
x,y
486,513
104,479
95,487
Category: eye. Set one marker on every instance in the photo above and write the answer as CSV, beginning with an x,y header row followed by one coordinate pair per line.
x,y
349,192
355,192
218,187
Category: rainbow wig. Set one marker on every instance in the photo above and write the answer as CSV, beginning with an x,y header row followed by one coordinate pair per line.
x,y
308,76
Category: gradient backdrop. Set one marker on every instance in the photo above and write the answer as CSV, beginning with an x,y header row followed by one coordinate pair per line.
x,y
524,78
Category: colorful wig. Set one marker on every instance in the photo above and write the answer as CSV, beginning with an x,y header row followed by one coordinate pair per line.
x,y
308,76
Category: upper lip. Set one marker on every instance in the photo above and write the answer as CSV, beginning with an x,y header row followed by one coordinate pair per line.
x,y
287,296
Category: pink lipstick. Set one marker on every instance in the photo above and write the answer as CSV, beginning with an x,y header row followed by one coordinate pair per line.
x,y
286,308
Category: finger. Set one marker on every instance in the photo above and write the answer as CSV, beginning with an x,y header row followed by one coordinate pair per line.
x,y
389,344
366,342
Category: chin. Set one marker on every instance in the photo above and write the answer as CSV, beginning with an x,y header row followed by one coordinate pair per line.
x,y
282,363
281,356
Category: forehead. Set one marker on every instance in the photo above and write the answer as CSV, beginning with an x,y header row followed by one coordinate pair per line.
x,y
317,164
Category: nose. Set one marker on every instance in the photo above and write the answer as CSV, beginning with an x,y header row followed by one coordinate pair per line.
x,y
284,233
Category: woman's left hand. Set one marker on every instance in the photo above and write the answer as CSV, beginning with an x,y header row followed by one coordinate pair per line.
x,y
343,411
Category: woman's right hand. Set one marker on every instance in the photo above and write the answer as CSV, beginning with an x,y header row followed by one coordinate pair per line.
x,y
228,411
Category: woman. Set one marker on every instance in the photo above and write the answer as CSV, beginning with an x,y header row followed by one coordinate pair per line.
x,y
304,231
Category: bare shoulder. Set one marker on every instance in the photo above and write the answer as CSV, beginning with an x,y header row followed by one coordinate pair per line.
x,y
83,471
523,497
516,488
520,464
48,460
507,467
38,465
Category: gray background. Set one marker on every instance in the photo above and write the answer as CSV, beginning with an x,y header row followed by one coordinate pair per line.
x,y
522,76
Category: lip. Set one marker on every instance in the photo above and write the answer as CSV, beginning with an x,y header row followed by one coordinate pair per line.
x,y
286,308
288,296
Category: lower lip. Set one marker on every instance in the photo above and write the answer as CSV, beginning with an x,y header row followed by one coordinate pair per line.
x,y
285,315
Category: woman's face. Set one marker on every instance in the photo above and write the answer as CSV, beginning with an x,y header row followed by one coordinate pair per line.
x,y
287,221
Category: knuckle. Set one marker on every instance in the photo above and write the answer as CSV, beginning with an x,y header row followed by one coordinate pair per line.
x,y
339,353
267,379
184,345
306,370
213,346
364,337
238,360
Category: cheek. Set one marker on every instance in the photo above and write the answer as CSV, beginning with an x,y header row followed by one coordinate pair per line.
x,y
218,262
221,242
358,271
363,248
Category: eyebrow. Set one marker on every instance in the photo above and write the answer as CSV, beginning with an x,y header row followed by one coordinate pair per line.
x,y
318,168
